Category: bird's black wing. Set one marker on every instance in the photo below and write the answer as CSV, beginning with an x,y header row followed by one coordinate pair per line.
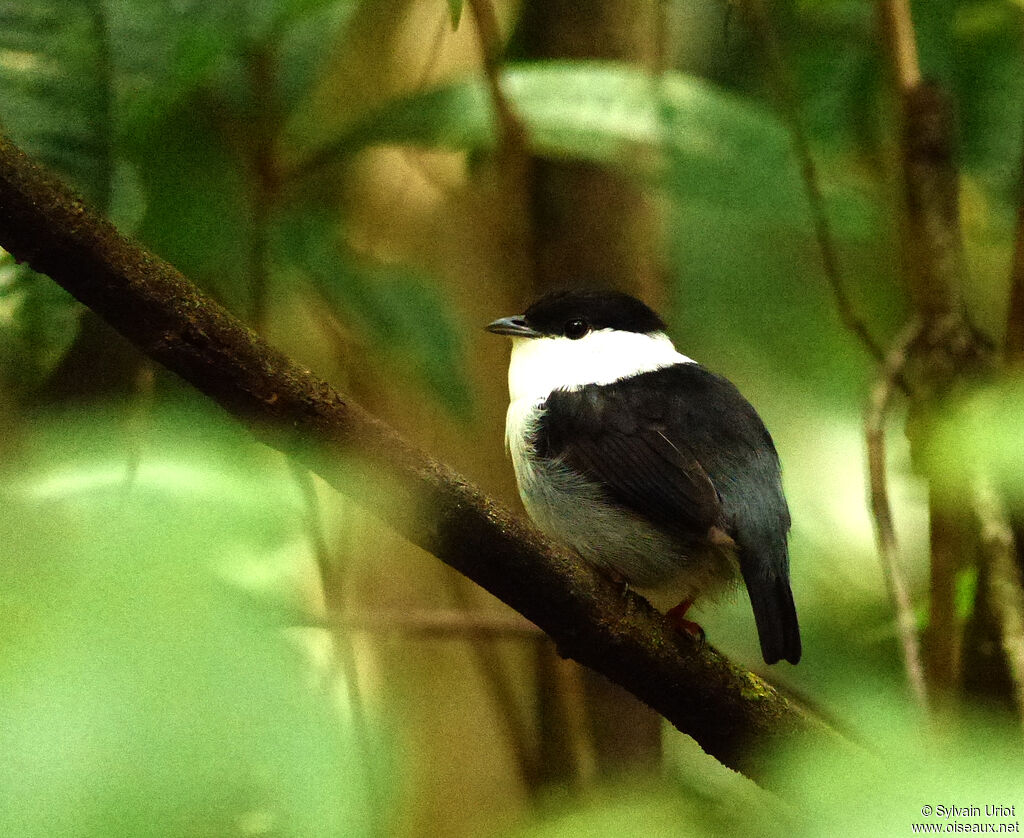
x,y
619,438
683,448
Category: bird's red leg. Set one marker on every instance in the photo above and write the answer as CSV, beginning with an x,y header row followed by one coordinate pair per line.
x,y
677,619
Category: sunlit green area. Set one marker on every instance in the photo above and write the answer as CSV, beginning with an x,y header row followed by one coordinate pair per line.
x,y
195,640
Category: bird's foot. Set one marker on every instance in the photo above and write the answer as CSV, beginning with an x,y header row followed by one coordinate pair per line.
x,y
676,618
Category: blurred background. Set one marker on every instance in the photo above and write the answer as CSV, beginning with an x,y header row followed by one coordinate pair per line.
x,y
198,640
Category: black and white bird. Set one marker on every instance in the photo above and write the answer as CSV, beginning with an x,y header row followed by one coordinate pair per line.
x,y
644,461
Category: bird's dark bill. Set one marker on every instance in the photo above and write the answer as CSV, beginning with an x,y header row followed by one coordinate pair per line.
x,y
513,326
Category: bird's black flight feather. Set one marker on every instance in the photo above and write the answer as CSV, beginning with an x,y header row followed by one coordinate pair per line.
x,y
682,447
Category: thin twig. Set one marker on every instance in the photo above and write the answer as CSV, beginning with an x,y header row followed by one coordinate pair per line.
x,y
1005,593
345,665
329,574
888,550
514,159
898,26
103,107
439,624
496,678
1013,346
787,102
139,418
489,35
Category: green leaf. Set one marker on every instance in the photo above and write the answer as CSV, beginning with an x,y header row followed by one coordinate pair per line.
x,y
989,92
38,323
168,54
611,114
55,85
398,310
455,12
306,43
601,111
196,210
832,49
55,89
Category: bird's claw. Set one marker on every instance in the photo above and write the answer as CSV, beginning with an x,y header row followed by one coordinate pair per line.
x,y
676,618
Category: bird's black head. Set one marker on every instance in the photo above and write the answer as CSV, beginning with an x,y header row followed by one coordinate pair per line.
x,y
574,314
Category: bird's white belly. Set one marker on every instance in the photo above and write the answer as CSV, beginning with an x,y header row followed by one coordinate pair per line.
x,y
574,511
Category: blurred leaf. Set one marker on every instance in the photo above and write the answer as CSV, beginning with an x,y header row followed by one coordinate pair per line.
x,y
401,313
601,111
832,50
455,12
197,202
154,72
989,88
169,54
983,430
139,693
307,42
55,84
884,790
723,149
38,323
903,778
193,93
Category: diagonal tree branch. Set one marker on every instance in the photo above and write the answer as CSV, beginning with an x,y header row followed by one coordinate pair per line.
x,y
733,714
1013,345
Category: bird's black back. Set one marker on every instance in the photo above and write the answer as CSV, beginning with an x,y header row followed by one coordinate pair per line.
x,y
681,447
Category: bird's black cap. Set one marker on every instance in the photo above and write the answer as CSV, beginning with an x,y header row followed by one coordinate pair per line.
x,y
598,309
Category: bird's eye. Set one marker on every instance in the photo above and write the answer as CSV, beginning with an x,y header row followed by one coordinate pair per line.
x,y
576,328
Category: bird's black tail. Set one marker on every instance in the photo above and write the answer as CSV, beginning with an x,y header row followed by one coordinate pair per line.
x,y
775,616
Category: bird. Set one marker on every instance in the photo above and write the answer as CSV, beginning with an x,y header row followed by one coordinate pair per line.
x,y
646,463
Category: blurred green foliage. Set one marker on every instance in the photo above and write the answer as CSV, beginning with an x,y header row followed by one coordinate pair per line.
x,y
726,150
983,429
397,307
874,793
158,110
147,684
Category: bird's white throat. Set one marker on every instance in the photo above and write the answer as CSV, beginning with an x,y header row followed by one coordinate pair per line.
x,y
541,365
